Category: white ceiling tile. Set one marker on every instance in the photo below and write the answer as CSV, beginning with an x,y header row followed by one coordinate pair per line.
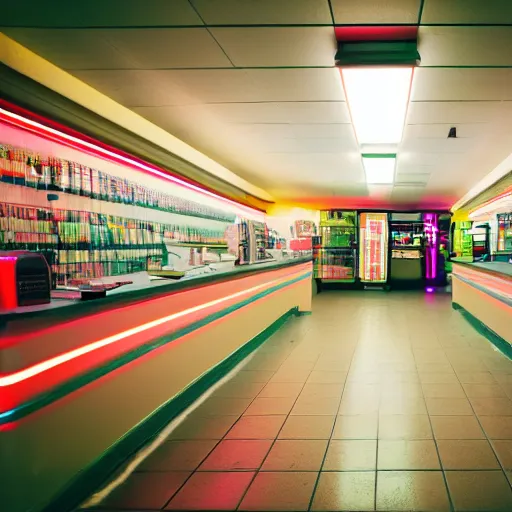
x,y
440,131
263,12
308,84
278,46
413,177
451,84
133,88
467,11
465,46
283,112
167,48
319,131
71,49
444,145
354,12
99,13
453,112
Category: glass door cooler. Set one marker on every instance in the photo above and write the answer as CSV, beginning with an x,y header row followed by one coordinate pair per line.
x,y
335,251
373,252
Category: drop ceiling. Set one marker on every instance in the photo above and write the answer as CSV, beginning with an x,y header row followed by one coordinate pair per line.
x,y
251,84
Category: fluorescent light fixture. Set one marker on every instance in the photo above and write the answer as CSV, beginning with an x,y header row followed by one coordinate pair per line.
x,y
379,169
377,98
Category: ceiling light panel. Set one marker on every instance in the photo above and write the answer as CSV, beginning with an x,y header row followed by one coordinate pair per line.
x,y
379,169
377,99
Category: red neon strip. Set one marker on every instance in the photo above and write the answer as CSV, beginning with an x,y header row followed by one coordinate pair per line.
x,y
27,373
26,385
376,33
71,138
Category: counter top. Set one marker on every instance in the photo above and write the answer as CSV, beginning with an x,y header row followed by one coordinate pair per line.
x,y
497,268
67,310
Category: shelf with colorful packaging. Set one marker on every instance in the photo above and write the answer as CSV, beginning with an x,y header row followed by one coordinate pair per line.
x,y
335,258
25,167
83,245
373,253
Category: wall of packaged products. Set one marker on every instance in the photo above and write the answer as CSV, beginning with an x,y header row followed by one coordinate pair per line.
x,y
83,245
26,168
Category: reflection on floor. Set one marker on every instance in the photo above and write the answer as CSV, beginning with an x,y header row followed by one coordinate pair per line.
x,y
386,401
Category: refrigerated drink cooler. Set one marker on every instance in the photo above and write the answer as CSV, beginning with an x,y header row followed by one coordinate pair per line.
x,y
373,251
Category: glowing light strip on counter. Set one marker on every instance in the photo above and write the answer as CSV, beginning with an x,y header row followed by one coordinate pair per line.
x,y
501,287
105,153
27,373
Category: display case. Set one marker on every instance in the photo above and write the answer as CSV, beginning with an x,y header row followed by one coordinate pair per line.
x,y
335,259
505,232
407,244
373,253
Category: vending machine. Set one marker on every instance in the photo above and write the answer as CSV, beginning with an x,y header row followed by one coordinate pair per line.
x,y
373,252
335,251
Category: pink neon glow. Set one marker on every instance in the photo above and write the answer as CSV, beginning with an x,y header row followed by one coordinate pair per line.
x,y
27,373
246,211
429,290
431,229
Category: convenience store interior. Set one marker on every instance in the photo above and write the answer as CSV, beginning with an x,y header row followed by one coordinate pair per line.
x,y
268,243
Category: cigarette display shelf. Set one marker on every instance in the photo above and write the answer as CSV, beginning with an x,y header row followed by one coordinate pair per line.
x,y
25,167
84,245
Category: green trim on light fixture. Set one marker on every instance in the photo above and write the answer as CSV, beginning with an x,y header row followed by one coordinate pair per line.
x,y
378,53
378,155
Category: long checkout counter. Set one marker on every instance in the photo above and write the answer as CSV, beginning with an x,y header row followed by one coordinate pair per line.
x,y
85,384
483,292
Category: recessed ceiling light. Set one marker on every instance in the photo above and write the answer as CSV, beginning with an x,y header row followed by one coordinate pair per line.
x,y
377,98
379,169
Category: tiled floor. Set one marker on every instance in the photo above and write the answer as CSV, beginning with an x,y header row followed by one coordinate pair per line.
x,y
377,401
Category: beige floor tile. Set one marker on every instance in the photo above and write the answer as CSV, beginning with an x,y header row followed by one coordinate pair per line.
x,y
438,378
150,491
404,426
477,491
281,390
241,390
492,406
178,456
263,406
295,455
456,427
504,451
353,406
211,427
290,376
402,405
316,406
363,426
220,406
476,378
351,455
231,455
256,427
277,492
307,427
212,491
322,390
449,407
484,391
497,427
444,390
323,377
412,491
407,455
345,491
466,454
252,376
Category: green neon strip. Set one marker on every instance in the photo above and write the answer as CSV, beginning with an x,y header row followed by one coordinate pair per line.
x,y
378,155
76,383
93,476
501,344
